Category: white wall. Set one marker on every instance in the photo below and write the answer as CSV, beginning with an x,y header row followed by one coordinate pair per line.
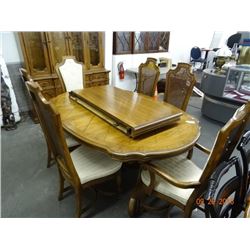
x,y
10,48
181,42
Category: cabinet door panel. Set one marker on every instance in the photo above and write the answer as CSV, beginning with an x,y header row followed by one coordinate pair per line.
x,y
50,87
58,47
36,53
95,49
76,42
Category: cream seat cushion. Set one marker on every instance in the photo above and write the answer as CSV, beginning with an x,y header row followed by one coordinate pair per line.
x,y
70,141
178,167
91,164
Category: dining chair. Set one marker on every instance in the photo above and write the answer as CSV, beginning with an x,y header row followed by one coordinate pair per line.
x,y
70,73
225,199
233,197
84,167
148,77
195,56
33,87
26,77
179,85
178,180
244,148
233,39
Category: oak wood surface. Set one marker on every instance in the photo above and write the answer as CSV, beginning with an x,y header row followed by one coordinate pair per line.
x,y
137,113
91,129
43,50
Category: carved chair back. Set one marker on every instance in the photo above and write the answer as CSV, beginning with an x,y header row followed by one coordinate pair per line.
x,y
244,148
70,73
224,145
148,77
228,200
53,127
179,85
32,87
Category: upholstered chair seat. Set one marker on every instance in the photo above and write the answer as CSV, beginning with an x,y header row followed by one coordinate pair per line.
x,y
179,168
91,164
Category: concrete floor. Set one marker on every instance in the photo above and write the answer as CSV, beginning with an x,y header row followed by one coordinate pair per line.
x,y
29,189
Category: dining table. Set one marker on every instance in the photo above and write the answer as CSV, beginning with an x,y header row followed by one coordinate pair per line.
x,y
92,129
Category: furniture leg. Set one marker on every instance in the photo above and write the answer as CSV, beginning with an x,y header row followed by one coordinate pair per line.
x,y
61,186
78,202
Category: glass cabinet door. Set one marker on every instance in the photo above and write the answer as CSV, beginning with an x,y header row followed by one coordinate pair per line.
x,y
95,49
58,46
76,43
245,84
232,80
36,53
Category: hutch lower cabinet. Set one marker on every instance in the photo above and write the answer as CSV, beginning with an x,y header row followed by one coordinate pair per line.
x,y
43,50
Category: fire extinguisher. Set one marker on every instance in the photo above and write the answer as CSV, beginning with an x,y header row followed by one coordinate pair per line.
x,y
121,70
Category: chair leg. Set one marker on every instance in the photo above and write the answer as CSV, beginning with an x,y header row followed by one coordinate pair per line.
x,y
78,202
136,198
119,182
133,207
190,154
61,186
50,157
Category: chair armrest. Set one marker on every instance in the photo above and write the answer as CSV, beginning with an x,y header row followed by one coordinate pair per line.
x,y
202,148
173,181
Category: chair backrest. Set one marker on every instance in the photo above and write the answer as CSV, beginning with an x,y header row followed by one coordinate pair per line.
x,y
70,73
31,87
227,200
148,77
195,53
224,145
244,148
53,126
179,85
235,38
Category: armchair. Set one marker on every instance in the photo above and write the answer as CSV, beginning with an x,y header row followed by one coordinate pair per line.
x,y
178,180
226,201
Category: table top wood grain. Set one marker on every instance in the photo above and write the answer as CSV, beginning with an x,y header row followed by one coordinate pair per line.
x,y
136,113
87,127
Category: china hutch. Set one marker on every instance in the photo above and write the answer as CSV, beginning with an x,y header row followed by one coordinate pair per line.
x,y
43,50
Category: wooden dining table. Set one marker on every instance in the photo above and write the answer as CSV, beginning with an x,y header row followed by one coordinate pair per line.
x,y
93,130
